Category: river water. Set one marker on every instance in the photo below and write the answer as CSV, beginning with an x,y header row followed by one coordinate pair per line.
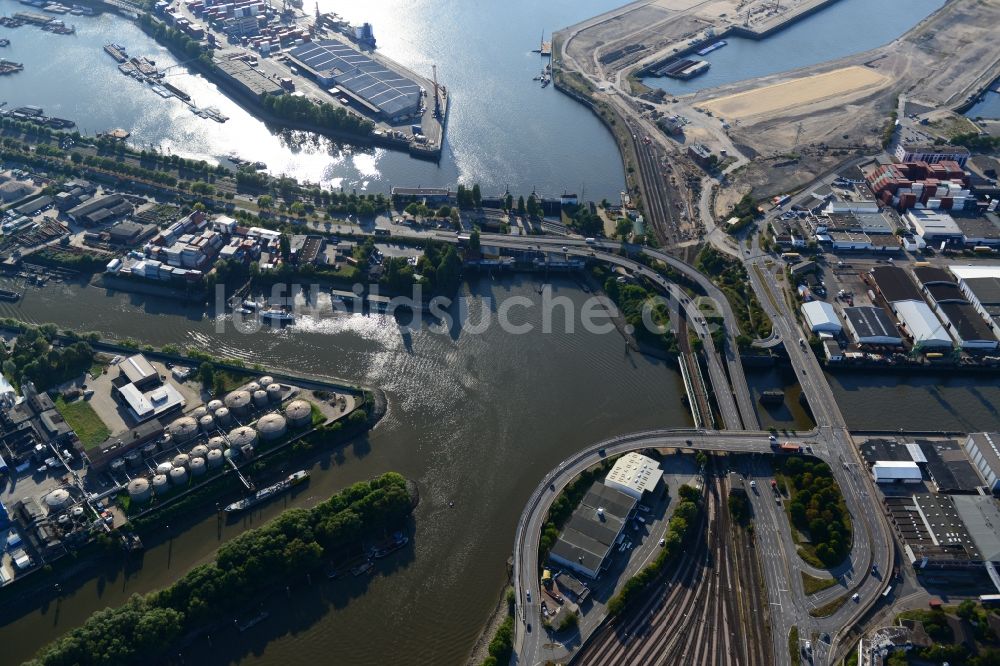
x,y
503,129
844,28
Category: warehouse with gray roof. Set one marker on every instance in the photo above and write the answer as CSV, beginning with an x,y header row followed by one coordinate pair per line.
x,y
592,531
872,326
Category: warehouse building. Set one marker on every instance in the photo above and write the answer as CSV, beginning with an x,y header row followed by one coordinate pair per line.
x,y
592,531
948,466
934,226
139,388
921,325
247,79
872,326
981,286
983,449
983,230
967,326
980,515
821,317
365,81
896,471
894,284
634,474
932,532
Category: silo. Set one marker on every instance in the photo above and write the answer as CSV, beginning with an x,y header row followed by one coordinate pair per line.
x,y
164,468
160,484
251,387
199,451
199,412
223,417
178,476
213,405
217,442
139,490
238,402
181,460
57,500
197,466
77,512
166,442
271,426
242,436
273,393
259,398
299,413
183,429
133,458
207,423
117,465
149,450
266,380
214,458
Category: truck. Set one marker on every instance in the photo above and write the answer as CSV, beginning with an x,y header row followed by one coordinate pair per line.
x,y
790,447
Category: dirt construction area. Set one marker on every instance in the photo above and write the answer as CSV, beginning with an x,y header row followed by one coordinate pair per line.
x,y
840,86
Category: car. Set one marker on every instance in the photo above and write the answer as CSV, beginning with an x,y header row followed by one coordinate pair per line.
x,y
753,484
855,597
777,500
565,249
527,595
601,452
808,647
663,542
552,486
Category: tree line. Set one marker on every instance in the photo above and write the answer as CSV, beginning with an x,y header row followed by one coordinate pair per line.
x,y
322,114
817,508
293,544
34,358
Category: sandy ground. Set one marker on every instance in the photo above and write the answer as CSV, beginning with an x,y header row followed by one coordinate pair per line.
x,y
837,87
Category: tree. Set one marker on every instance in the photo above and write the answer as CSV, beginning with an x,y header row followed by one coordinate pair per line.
x,y
206,372
265,201
521,208
477,197
623,228
967,610
474,243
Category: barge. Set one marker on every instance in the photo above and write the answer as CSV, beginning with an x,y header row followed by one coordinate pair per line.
x,y
714,47
267,493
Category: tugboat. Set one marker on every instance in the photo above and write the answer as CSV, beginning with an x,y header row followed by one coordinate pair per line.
x,y
265,494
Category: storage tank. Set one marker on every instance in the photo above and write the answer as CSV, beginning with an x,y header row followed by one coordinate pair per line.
x,y
197,466
133,458
183,429
238,402
217,442
271,426
57,500
260,398
274,392
166,442
213,405
214,458
178,476
117,465
241,436
149,450
299,413
199,451
181,460
223,417
207,423
199,412
77,511
266,380
139,490
164,468
160,483
252,388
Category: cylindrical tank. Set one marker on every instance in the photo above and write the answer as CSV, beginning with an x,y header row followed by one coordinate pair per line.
x,y
77,511
213,405
199,451
149,450
63,520
252,387
223,417
166,442
199,412
259,398
133,458
238,402
178,476
183,429
164,468
160,484
273,392
271,426
266,380
139,490
214,458
299,413
217,442
197,466
207,423
117,465
181,460
241,436
57,500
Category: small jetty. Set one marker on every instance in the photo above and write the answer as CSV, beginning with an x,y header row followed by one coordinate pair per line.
x,y
4,42
10,67
544,47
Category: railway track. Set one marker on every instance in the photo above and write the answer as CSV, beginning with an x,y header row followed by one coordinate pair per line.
x,y
707,613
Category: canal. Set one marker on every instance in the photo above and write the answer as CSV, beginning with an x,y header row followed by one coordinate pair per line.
x,y
842,29
504,130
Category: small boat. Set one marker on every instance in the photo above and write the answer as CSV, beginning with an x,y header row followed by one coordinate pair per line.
x,y
277,315
333,573
250,305
398,542
252,622
245,311
363,568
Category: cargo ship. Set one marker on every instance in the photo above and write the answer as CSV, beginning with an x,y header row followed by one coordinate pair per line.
x,y
267,493
116,51
175,90
714,47
398,541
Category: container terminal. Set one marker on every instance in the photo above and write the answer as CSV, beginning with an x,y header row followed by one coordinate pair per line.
x,y
259,50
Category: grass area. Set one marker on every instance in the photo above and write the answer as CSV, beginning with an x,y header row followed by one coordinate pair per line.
x,y
730,276
82,418
953,125
97,368
793,646
317,415
812,584
830,608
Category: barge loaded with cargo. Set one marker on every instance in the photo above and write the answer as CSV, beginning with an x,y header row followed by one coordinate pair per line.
x,y
684,69
267,493
714,47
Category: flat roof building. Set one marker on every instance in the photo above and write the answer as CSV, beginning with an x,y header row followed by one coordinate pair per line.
x,y
981,286
932,532
914,152
634,474
376,87
980,230
921,324
967,326
247,79
872,326
821,317
894,284
934,226
157,402
138,370
592,531
983,449
896,471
